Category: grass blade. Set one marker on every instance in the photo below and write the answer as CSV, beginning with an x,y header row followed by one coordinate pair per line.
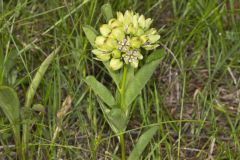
x,y
38,77
31,92
142,143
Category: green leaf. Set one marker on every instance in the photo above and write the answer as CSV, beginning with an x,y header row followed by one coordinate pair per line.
x,y
101,91
157,54
31,93
142,143
130,75
117,118
106,111
38,78
139,81
9,103
90,33
107,11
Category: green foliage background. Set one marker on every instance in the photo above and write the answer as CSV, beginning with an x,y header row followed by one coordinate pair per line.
x,y
193,97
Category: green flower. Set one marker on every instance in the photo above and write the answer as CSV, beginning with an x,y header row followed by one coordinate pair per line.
x,y
105,30
100,40
124,45
149,39
101,55
132,57
113,23
122,39
135,42
115,64
117,33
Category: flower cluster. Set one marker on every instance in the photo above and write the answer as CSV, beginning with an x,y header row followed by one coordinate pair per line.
x,y
122,38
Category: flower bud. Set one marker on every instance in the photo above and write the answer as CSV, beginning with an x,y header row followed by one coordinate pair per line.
x,y
117,33
111,43
113,23
140,32
148,23
150,46
105,30
153,38
130,29
151,31
144,38
134,63
135,21
120,17
102,56
128,16
100,40
141,21
116,53
135,42
115,64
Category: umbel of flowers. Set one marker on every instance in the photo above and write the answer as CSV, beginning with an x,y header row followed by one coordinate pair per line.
x,y
123,38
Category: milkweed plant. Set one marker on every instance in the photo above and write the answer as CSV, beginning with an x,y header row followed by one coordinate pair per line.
x,y
127,47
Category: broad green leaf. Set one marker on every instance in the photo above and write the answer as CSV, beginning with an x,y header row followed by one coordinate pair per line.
x,y
117,118
139,81
107,11
38,78
90,33
130,75
7,67
157,54
101,91
9,103
31,93
106,111
142,143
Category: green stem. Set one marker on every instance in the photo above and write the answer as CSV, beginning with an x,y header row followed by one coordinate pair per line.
x,y
122,106
122,145
122,90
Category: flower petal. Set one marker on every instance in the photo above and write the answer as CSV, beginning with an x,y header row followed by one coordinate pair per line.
x,y
134,63
116,53
150,47
113,23
120,16
153,38
117,33
135,42
102,56
105,30
141,21
148,23
100,40
115,64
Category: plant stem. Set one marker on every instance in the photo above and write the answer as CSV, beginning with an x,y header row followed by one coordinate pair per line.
x,y
122,106
122,90
122,145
